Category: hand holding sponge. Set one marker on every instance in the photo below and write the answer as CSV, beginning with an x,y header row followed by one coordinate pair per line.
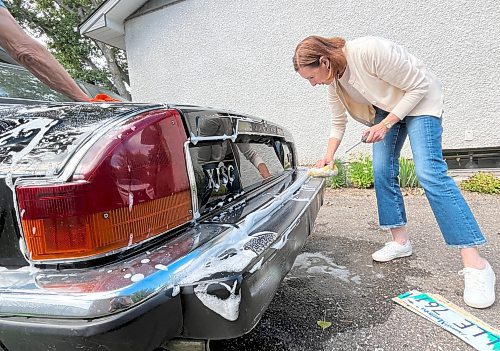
x,y
329,170
103,98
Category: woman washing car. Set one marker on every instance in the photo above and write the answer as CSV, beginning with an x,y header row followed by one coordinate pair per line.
x,y
383,86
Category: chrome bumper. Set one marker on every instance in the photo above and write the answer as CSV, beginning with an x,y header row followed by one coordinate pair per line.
x,y
189,260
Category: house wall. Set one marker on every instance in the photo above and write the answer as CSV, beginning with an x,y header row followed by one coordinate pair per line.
x,y
237,55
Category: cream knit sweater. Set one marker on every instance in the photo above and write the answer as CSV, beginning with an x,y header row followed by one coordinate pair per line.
x,y
388,77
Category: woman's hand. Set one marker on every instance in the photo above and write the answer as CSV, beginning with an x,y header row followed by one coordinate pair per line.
x,y
264,171
375,133
378,131
322,162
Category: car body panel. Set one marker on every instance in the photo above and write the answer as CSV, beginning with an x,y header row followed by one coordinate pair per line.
x,y
213,277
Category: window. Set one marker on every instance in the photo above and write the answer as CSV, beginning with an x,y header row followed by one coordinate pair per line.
x,y
18,83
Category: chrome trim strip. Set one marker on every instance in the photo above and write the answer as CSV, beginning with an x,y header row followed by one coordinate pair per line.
x,y
260,133
192,180
238,130
194,139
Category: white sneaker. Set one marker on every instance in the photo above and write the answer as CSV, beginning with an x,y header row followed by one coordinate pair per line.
x,y
479,289
392,250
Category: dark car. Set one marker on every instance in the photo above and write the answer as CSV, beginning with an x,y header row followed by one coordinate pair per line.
x,y
126,225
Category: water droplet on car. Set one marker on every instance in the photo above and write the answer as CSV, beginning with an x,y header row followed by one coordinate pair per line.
x,y
130,201
137,277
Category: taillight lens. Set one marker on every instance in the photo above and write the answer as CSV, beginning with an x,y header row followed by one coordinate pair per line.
x,y
130,186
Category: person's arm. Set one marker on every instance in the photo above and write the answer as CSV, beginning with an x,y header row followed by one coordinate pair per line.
x,y
263,170
251,155
36,58
338,126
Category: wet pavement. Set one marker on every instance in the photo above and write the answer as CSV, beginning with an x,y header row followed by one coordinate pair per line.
x,y
334,279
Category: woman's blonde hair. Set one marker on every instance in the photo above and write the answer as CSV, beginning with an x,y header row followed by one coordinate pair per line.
x,y
309,51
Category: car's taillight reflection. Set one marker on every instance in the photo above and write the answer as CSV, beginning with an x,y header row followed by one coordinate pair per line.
x,y
117,276
130,186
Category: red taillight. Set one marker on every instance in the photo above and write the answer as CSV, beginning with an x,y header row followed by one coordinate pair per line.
x,y
130,186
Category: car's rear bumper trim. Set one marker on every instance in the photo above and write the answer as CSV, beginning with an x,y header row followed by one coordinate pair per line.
x,y
95,293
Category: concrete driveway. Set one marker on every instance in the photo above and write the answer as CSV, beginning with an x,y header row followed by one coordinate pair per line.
x,y
335,279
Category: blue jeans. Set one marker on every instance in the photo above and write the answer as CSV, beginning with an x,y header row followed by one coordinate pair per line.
x,y
453,215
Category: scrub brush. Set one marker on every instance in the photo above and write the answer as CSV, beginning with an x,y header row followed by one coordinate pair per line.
x,y
327,171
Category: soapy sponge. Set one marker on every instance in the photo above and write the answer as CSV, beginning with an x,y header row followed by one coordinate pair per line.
x,y
327,171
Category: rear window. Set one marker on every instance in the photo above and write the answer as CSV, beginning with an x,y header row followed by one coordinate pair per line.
x,y
18,83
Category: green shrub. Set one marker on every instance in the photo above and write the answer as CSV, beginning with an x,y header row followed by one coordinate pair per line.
x,y
340,180
407,173
360,171
482,182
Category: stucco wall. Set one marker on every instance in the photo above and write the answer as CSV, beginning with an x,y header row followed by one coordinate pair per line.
x,y
236,55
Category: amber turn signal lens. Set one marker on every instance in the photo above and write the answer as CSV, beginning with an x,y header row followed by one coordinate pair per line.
x,y
98,233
